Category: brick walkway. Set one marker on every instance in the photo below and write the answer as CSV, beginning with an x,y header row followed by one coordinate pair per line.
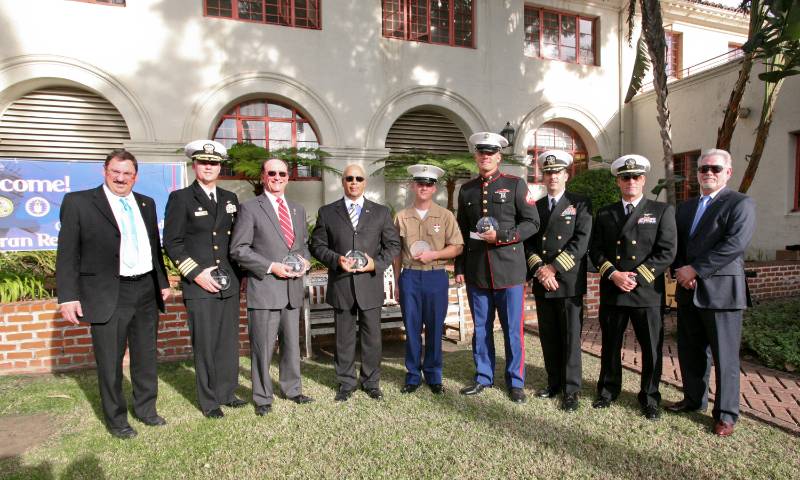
x,y
767,395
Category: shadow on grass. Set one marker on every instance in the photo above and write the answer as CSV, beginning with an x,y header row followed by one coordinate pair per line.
x,y
86,466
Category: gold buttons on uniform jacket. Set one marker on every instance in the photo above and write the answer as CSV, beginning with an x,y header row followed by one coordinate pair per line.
x,y
559,237
633,242
618,257
216,247
544,251
214,233
633,257
618,242
485,201
229,232
217,261
544,238
485,192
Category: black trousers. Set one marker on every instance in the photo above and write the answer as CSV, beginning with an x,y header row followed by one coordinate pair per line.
x,y
701,334
135,322
560,322
214,326
648,326
369,336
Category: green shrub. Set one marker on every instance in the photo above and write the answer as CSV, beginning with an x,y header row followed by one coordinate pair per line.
x,y
598,184
771,331
26,275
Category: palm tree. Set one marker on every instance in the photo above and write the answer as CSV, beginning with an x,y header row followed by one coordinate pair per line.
x,y
654,37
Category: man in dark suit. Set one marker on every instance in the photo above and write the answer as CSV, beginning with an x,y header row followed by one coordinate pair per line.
x,y
493,262
197,229
110,273
354,223
557,260
713,234
633,243
269,229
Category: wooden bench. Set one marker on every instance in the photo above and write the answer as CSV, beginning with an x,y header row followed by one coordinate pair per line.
x,y
317,315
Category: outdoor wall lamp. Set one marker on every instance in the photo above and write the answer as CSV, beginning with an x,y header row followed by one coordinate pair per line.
x,y
508,133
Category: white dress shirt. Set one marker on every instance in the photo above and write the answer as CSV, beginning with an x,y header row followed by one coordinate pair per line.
x,y
144,261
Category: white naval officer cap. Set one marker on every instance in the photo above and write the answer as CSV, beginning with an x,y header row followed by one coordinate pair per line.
x,y
630,164
207,150
488,142
554,160
425,173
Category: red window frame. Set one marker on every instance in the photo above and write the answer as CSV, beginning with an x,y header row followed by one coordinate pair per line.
x,y
110,3
534,41
416,21
796,206
685,165
289,13
297,117
674,52
576,148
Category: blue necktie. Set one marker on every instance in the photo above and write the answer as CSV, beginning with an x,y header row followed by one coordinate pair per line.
x,y
701,208
355,212
130,247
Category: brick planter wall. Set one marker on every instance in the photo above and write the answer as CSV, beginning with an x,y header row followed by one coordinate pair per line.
x,y
34,338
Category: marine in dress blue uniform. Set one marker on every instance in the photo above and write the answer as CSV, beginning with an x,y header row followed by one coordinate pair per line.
x,y
557,264
429,237
633,243
197,229
493,262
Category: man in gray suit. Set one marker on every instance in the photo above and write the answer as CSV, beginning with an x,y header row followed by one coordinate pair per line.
x,y
269,228
356,294
713,234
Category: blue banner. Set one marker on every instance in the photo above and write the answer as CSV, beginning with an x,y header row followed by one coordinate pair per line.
x,y
31,192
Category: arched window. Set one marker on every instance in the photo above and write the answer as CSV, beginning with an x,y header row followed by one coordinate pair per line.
x,y
271,125
555,135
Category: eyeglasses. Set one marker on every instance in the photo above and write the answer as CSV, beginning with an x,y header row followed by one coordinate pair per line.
x,y
630,176
351,178
710,168
272,173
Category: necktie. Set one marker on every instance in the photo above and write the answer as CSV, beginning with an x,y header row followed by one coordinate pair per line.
x,y
355,212
552,204
628,209
701,208
130,248
286,223
213,198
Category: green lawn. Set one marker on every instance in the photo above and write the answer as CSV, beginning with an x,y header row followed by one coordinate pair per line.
x,y
416,436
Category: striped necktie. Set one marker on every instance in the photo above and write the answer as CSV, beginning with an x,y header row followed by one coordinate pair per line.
x,y
355,212
130,247
286,223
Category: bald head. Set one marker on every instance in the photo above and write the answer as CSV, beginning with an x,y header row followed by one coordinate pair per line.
x,y
354,181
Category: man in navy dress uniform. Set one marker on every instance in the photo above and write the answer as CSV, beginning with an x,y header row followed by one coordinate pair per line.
x,y
429,237
633,243
557,261
493,262
197,230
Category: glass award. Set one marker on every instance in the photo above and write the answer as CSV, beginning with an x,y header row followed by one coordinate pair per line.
x,y
358,258
487,223
419,247
296,265
222,278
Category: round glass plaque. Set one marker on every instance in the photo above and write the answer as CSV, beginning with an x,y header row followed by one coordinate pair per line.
x,y
487,223
358,258
295,263
419,247
222,277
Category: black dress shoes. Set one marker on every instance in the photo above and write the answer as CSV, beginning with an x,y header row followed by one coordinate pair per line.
x,y
123,433
473,389
570,402
343,394
517,395
373,393
301,399
236,403
409,388
262,410
155,421
681,407
548,392
601,402
651,412
215,413
436,388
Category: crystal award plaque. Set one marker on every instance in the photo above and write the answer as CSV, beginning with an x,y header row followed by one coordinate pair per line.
x,y
222,278
419,247
358,258
295,263
487,223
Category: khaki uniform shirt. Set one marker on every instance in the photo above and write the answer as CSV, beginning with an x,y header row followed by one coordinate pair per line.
x,y
439,229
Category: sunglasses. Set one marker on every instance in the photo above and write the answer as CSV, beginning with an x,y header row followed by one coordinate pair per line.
x,y
488,151
424,184
206,162
351,178
710,168
272,173
630,177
